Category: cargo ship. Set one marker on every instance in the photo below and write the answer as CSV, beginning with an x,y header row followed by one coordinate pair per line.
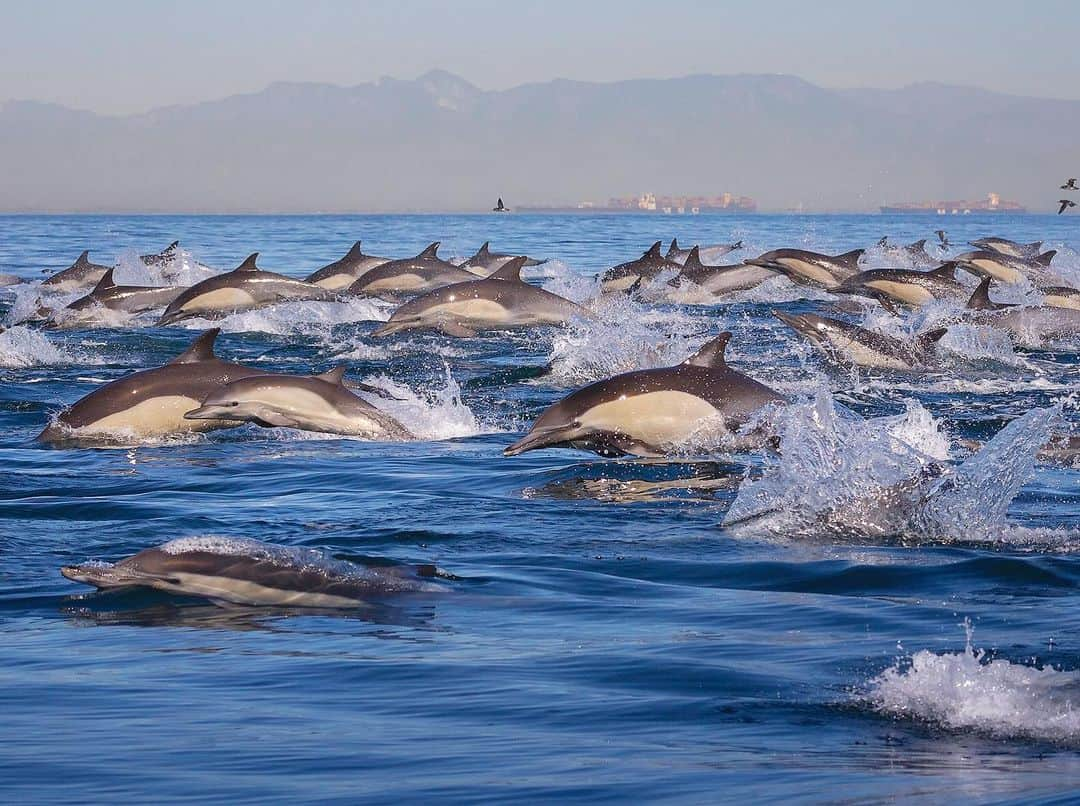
x,y
991,204
651,203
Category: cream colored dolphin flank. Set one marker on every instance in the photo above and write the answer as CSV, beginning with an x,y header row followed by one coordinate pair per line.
x,y
811,268
79,275
650,412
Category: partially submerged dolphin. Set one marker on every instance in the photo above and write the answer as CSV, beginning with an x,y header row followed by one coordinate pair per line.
x,y
907,286
1025,322
410,276
499,302
811,268
1006,247
1008,269
650,412
249,572
345,271
626,275
79,275
162,258
914,252
308,402
126,298
150,403
707,254
721,280
1061,296
485,261
245,288
845,343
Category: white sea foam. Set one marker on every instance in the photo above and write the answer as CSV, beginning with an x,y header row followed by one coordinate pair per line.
x,y
289,318
967,691
432,414
22,347
183,269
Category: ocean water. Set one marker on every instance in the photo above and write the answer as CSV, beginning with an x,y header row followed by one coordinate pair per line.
x,y
617,629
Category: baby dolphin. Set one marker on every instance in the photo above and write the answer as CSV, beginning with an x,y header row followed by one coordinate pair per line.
x,y
342,273
79,275
485,261
249,572
1006,268
720,280
151,403
624,276
811,268
1024,322
498,302
648,412
411,276
309,403
1004,246
245,288
907,285
845,343
707,254
126,298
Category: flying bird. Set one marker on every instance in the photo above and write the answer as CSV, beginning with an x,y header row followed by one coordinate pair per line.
x,y
1070,185
1065,204
941,236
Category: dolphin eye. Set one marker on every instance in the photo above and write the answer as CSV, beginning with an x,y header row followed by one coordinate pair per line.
x,y
235,403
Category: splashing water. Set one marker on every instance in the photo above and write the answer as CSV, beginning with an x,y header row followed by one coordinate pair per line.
x,y
295,318
183,269
432,415
968,691
22,347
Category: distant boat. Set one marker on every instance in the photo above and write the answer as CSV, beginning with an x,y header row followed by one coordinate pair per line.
x,y
500,207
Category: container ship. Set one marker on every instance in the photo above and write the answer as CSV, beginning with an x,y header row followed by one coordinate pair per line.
x,y
651,203
991,204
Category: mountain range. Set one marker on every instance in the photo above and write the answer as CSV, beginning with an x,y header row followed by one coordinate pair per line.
x,y
441,143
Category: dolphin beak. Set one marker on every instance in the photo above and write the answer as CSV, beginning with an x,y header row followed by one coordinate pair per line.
x,y
386,329
207,413
794,321
168,318
539,438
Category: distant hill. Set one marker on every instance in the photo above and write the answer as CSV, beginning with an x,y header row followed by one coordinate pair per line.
x,y
440,143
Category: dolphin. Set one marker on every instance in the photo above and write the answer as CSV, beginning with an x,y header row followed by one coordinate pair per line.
x,y
650,411
845,343
485,261
988,263
245,288
913,252
411,276
126,298
624,276
1009,248
811,268
9,280
1061,297
1021,321
705,253
250,572
151,403
342,273
720,280
499,302
162,258
908,286
309,403
79,275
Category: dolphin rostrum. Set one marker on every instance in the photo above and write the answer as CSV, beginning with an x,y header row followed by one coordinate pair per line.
x,y
250,572
626,275
720,280
342,273
307,402
411,276
908,286
845,343
245,288
1004,246
485,261
498,302
811,268
1008,269
79,275
707,253
649,412
126,298
150,403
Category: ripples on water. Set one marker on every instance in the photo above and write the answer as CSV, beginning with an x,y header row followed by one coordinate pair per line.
x,y
609,636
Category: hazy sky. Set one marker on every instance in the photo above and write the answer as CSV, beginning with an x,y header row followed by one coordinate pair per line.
x,y
121,56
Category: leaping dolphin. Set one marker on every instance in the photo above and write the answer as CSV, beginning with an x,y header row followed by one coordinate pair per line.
x,y
1004,246
720,280
151,403
1007,269
707,254
245,288
498,302
126,298
162,258
907,286
485,261
914,252
811,268
626,275
249,572
845,343
310,403
79,275
652,411
1021,321
342,273
411,276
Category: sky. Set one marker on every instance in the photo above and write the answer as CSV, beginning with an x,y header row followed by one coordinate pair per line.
x,y
127,56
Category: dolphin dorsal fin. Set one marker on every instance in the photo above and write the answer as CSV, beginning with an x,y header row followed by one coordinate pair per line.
x,y
1045,258
711,354
1035,245
249,263
202,349
693,260
653,251
335,376
946,270
510,271
850,257
83,258
354,253
104,284
930,338
674,248
921,244
484,250
883,242
431,250
980,300
171,247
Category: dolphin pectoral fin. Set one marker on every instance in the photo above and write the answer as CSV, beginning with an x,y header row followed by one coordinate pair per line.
x,y
611,444
456,330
